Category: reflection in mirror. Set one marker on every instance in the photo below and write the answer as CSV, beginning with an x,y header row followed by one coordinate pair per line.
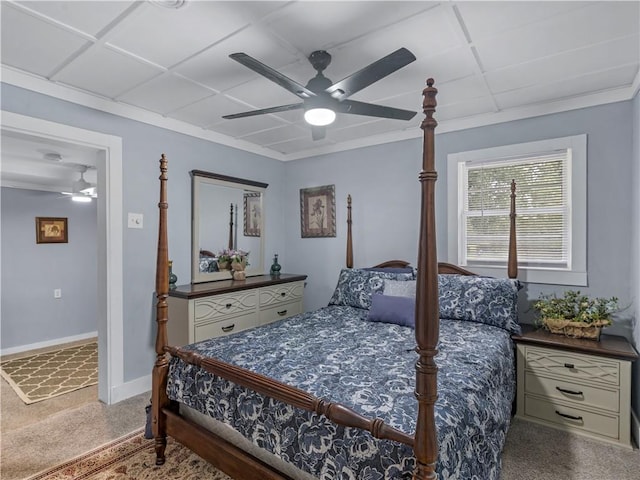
x,y
227,215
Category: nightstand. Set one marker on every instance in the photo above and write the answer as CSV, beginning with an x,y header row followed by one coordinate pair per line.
x,y
576,384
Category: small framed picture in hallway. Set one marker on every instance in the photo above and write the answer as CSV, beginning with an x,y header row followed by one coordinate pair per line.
x,y
51,230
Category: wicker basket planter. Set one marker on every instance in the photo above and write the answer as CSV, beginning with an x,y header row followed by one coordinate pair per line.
x,y
570,328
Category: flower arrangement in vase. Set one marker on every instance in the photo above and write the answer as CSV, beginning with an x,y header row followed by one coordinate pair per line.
x,y
574,314
234,260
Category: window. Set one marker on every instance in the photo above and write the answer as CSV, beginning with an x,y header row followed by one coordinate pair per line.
x,y
551,230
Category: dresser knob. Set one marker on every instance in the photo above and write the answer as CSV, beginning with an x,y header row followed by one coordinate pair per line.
x,y
282,294
228,305
569,365
570,392
570,417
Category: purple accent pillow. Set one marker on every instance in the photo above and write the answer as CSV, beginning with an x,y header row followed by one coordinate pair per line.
x,y
393,309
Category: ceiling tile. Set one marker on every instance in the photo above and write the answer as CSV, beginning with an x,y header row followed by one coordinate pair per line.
x,y
42,50
374,127
206,112
87,16
167,36
475,106
484,19
461,90
261,93
106,72
214,68
276,135
321,25
165,94
300,144
566,65
244,126
568,88
600,22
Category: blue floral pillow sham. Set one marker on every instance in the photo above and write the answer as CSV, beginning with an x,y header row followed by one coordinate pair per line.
x,y
356,286
493,301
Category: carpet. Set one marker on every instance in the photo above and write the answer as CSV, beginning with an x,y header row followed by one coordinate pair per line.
x,y
133,457
45,375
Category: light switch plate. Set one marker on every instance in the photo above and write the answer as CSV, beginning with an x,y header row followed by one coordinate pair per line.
x,y
134,220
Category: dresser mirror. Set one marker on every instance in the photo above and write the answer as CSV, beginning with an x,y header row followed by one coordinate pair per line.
x,y
227,214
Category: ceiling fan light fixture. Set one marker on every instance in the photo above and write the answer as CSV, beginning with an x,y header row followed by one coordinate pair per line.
x,y
81,198
319,117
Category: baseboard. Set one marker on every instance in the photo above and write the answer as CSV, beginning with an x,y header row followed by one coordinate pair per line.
x,y
48,343
635,428
131,389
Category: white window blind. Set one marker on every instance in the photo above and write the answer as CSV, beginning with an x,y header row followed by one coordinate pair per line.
x,y
543,221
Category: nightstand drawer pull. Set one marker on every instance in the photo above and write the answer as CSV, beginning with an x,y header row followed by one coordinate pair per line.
x,y
228,328
571,417
282,313
228,305
569,365
282,294
570,392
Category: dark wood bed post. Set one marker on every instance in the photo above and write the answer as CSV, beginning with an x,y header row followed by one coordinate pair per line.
x,y
159,399
427,319
231,226
512,263
349,240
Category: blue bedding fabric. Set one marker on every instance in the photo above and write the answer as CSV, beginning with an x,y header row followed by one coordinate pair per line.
x,y
336,354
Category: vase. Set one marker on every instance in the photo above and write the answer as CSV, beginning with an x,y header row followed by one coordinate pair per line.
x,y
238,266
239,275
173,278
275,268
224,265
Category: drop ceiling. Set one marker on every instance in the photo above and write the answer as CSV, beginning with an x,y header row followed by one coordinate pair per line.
x,y
492,62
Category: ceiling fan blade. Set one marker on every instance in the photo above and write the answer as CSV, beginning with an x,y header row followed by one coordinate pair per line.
x,y
318,133
281,108
371,110
273,75
371,74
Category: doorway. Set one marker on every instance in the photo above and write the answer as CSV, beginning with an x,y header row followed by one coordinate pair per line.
x,y
109,240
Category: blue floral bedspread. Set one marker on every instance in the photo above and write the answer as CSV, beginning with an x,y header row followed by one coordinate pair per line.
x,y
336,354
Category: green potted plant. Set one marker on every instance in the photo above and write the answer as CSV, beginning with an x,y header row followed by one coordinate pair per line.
x,y
574,314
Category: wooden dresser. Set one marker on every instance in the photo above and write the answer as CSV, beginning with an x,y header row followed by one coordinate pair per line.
x,y
206,310
576,384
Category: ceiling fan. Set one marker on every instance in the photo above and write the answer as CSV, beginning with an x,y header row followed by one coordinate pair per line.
x,y
81,190
321,98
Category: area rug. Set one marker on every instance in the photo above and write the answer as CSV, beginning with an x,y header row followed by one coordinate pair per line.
x,y
49,374
133,457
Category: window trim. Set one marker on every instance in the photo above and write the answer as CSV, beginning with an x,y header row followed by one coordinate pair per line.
x,y
576,275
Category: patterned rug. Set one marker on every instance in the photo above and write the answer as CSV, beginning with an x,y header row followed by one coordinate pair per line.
x,y
45,375
133,457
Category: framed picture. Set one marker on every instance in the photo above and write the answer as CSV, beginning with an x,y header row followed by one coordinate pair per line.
x,y
51,230
318,211
252,214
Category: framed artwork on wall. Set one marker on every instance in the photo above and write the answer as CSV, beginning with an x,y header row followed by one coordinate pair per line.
x,y
51,230
252,214
318,211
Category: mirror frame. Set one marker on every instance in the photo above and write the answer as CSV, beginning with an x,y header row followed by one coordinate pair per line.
x,y
199,177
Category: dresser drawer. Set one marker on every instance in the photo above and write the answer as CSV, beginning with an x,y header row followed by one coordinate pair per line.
x,y
572,365
282,293
224,305
225,327
599,424
278,312
579,394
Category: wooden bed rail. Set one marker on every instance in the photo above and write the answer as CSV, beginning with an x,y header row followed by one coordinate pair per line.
x,y
282,392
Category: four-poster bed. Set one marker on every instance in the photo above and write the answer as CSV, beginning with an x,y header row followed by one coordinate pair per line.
x,y
312,412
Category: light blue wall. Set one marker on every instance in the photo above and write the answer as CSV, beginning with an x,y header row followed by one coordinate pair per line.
x,y
30,271
142,146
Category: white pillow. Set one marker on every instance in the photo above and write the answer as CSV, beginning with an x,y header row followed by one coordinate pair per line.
x,y
399,288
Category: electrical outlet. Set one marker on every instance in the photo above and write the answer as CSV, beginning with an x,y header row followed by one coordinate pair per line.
x,y
57,293
134,220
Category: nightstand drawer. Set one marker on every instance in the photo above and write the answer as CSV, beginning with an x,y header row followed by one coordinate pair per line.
x,y
604,425
278,312
572,365
225,305
283,293
579,394
225,327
